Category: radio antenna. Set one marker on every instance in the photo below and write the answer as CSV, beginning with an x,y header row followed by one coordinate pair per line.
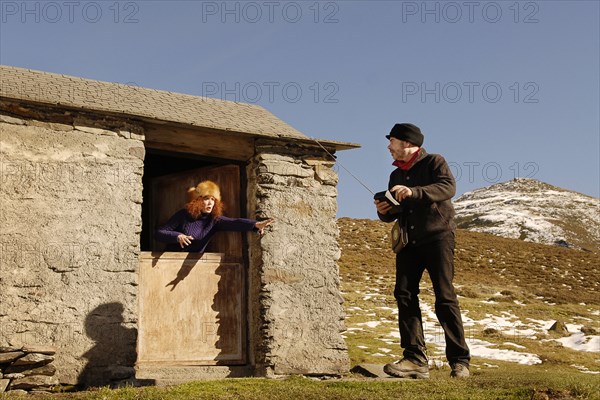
x,y
345,169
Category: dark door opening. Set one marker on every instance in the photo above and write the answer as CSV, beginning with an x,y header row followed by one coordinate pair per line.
x,y
162,166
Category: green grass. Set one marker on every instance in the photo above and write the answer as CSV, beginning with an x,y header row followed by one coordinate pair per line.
x,y
508,381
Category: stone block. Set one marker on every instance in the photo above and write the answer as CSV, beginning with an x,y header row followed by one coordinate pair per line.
x,y
33,359
273,275
60,127
11,120
318,161
283,168
4,384
47,350
14,375
10,357
33,381
26,370
138,136
9,349
16,393
275,157
137,151
559,326
95,131
55,126
326,175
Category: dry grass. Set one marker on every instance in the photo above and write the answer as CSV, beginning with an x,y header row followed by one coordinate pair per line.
x,y
485,264
525,280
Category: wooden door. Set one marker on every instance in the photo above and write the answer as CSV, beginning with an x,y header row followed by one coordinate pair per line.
x,y
191,310
192,306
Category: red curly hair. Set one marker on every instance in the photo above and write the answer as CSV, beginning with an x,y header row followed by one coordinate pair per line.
x,y
194,208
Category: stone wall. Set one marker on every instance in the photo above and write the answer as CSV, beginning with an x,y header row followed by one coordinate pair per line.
x,y
70,198
27,369
294,300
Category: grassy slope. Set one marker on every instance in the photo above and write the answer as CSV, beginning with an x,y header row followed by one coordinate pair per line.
x,y
551,282
548,282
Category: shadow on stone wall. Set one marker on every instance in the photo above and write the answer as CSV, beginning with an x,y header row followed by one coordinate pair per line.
x,y
111,361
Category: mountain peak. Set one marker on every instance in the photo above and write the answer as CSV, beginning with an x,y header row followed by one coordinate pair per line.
x,y
534,211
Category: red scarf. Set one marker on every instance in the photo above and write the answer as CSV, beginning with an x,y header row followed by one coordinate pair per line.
x,y
405,165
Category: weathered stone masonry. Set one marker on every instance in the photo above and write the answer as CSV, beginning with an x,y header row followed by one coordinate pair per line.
x,y
296,288
70,200
27,369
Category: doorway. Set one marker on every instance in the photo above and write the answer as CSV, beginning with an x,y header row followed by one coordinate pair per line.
x,y
192,306
168,175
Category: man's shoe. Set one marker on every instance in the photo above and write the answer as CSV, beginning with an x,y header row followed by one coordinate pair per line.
x,y
407,369
459,371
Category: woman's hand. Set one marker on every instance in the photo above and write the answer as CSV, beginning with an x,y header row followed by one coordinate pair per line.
x,y
184,240
261,225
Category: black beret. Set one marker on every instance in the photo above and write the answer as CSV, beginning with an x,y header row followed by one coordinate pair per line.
x,y
407,132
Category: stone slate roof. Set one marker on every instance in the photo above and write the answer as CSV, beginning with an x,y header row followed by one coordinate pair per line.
x,y
132,101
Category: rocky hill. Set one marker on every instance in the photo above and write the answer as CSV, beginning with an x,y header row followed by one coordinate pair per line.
x,y
533,211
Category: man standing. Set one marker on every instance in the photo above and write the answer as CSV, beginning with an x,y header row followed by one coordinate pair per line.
x,y
424,186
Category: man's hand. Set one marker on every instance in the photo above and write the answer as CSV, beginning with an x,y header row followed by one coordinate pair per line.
x,y
383,207
401,192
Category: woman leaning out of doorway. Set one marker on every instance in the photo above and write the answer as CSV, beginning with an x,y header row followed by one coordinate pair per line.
x,y
191,228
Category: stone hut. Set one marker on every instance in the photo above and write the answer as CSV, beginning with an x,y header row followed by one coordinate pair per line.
x,y
89,169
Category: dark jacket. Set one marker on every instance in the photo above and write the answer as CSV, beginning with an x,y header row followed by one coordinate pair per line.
x,y
428,214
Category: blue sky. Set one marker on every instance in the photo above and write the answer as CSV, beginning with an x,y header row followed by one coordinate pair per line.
x,y
500,88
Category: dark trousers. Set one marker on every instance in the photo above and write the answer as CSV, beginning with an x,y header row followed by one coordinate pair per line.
x,y
438,258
